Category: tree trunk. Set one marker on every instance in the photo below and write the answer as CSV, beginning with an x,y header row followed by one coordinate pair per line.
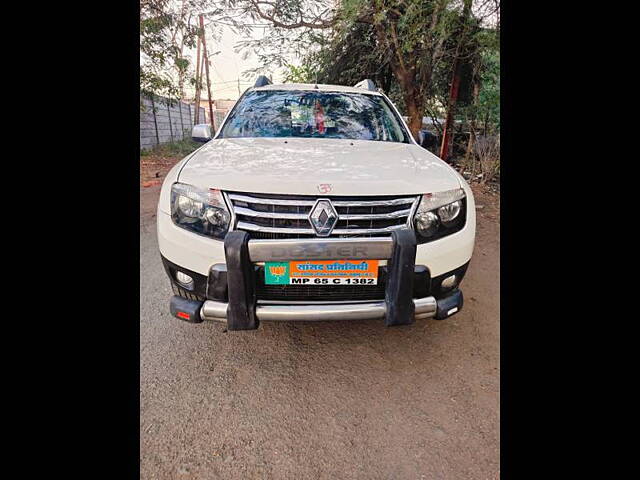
x,y
472,122
406,78
448,124
196,117
455,81
386,76
413,102
205,55
468,153
415,119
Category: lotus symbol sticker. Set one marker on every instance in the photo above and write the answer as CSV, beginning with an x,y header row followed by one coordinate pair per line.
x,y
324,187
277,271
323,217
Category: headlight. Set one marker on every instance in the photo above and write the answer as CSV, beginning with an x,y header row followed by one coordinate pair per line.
x,y
450,212
198,210
427,224
440,214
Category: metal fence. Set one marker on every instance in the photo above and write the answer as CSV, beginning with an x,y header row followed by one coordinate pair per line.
x,y
163,121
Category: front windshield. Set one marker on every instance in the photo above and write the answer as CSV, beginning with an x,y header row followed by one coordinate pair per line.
x,y
308,114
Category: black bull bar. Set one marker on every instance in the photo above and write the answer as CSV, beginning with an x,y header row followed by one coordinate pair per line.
x,y
241,253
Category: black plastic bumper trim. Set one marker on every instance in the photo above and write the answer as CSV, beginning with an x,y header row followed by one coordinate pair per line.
x,y
184,309
449,305
399,291
199,280
436,282
241,312
217,288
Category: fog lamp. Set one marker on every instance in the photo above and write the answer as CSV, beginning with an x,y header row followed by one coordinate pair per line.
x,y
185,280
449,282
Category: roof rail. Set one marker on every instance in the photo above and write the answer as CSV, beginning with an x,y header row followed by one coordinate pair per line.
x,y
261,81
367,85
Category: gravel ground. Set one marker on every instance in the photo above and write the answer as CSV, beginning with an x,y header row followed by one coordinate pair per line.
x,y
329,400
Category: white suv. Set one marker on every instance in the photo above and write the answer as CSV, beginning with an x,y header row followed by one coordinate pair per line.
x,y
314,202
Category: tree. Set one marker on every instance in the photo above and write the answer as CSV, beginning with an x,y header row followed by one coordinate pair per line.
x,y
165,29
482,114
352,55
410,35
292,29
408,47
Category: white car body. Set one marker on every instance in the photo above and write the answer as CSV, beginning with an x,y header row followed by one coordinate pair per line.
x,y
308,166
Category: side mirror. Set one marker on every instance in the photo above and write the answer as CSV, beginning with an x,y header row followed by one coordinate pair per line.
x,y
201,133
420,137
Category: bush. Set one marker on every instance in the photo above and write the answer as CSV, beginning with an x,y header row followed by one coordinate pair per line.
x,y
482,162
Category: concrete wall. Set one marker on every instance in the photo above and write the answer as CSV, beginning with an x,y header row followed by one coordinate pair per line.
x,y
163,122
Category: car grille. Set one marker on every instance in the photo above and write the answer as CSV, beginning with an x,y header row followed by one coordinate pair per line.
x,y
286,216
320,292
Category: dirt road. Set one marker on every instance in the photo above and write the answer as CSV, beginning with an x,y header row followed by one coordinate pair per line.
x,y
330,400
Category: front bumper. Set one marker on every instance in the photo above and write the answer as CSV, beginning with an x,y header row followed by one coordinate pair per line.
x,y
236,302
427,307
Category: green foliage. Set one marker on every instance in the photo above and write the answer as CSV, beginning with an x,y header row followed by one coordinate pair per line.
x,y
352,56
407,47
484,111
164,32
353,52
303,74
167,29
296,29
489,95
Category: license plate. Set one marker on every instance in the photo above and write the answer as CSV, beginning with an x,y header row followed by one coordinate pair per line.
x,y
322,272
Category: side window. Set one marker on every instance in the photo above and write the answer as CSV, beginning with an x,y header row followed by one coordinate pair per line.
x,y
393,131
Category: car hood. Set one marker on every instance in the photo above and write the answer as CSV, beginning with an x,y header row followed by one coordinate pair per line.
x,y
301,165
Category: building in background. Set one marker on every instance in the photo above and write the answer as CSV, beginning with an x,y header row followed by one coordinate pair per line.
x,y
221,107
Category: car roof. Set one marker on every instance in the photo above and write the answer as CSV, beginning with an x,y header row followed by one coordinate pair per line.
x,y
320,87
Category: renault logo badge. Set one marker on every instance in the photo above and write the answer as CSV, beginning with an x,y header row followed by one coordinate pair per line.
x,y
323,217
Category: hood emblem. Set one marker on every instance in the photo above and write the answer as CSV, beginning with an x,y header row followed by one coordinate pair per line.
x,y
324,187
323,217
